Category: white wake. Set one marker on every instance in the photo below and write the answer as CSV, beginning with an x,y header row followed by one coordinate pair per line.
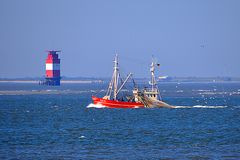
x,y
200,106
91,105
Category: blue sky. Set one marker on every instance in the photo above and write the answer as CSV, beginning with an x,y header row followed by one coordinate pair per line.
x,y
187,37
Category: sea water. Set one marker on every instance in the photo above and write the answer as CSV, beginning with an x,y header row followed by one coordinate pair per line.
x,y
40,122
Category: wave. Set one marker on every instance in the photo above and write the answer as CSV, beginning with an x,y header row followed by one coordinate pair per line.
x,y
200,106
91,105
182,107
44,92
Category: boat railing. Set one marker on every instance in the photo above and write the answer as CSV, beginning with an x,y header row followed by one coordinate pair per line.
x,y
150,90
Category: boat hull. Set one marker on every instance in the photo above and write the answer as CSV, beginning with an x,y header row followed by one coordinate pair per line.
x,y
116,104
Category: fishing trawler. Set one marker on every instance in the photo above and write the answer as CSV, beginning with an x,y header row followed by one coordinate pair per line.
x,y
146,98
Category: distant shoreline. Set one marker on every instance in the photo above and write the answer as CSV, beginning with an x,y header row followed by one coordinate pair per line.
x,y
63,81
86,80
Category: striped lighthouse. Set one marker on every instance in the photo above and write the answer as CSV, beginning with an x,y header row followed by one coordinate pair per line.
x,y
52,76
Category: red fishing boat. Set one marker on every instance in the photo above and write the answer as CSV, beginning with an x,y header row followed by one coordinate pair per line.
x,y
116,104
111,99
147,98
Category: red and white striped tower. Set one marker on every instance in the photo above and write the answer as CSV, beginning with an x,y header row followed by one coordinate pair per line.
x,y
52,69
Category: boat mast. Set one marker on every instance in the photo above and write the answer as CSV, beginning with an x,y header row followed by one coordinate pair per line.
x,y
113,85
153,79
115,77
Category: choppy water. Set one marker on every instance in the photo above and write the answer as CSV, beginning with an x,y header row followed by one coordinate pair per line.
x,y
38,122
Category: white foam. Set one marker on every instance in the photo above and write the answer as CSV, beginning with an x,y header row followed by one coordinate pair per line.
x,y
182,107
200,106
55,106
203,90
179,91
91,105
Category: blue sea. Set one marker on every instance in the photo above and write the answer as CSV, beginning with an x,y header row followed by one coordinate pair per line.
x,y
40,122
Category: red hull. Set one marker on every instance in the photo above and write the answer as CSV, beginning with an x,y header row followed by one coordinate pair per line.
x,y
116,104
